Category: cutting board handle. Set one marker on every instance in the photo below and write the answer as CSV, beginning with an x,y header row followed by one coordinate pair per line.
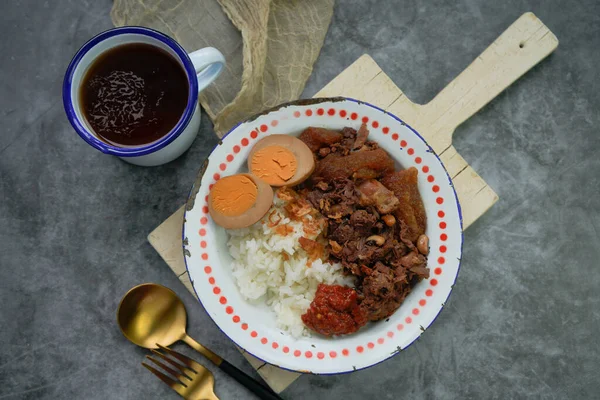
x,y
525,43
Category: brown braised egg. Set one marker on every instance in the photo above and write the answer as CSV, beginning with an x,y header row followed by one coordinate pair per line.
x,y
281,160
238,201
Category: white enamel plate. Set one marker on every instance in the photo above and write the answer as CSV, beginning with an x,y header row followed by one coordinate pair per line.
x,y
253,327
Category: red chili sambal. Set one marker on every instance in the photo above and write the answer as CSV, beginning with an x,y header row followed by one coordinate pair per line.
x,y
334,311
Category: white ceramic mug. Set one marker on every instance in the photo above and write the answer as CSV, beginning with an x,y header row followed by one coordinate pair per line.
x,y
202,67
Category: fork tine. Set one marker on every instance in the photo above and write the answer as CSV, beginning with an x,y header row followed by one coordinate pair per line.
x,y
183,370
176,386
171,371
193,365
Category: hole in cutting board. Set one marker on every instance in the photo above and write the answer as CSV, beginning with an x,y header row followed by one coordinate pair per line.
x,y
521,45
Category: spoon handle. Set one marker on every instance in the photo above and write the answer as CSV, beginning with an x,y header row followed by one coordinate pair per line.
x,y
250,383
215,359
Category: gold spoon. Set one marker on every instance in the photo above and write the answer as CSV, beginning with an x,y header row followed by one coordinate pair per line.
x,y
151,314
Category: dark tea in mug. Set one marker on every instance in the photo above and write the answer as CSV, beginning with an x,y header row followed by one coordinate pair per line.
x,y
133,94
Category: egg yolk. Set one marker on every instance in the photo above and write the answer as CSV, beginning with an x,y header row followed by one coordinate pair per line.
x,y
274,164
233,195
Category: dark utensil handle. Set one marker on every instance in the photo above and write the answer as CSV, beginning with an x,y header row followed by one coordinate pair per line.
x,y
252,384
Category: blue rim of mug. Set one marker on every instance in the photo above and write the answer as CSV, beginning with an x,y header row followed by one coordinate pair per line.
x,y
183,122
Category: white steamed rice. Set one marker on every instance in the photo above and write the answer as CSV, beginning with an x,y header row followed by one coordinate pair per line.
x,y
262,273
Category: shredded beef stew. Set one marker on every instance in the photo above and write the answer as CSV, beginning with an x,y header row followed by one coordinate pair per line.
x,y
376,228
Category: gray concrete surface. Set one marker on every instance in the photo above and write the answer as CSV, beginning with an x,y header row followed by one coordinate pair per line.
x,y
523,320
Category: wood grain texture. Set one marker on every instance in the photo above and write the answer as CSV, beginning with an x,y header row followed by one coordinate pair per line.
x,y
525,43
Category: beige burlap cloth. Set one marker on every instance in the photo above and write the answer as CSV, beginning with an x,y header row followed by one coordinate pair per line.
x,y
270,46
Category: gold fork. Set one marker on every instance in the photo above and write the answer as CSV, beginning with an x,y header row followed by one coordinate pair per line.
x,y
194,381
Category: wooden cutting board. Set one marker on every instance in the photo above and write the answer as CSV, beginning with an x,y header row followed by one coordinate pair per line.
x,y
525,43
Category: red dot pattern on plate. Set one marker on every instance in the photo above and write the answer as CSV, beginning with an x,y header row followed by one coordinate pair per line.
x,y
417,160
210,186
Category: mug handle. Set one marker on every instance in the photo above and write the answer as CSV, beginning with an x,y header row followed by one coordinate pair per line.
x,y
209,63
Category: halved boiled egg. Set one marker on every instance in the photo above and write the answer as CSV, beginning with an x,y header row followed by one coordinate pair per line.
x,y
281,160
238,201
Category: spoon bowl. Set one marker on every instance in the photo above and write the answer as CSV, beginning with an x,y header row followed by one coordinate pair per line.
x,y
149,314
